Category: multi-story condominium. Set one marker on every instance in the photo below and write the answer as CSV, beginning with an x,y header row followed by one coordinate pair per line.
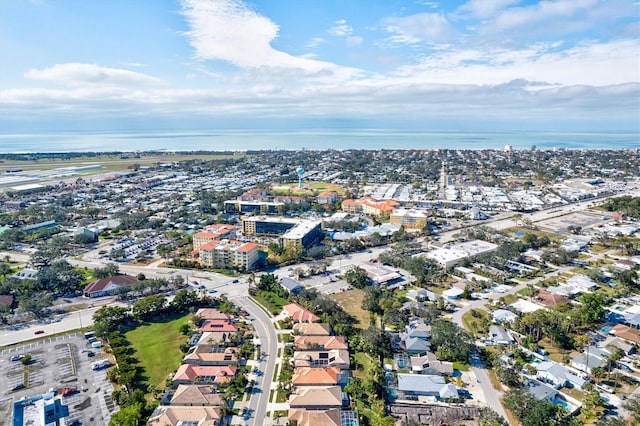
x,y
370,206
302,231
229,254
218,231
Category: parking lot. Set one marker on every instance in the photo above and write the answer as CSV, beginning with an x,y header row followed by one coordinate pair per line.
x,y
60,364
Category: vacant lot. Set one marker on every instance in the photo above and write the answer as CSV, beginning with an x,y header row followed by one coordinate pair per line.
x,y
157,347
351,301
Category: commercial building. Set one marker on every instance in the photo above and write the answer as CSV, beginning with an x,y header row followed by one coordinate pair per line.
x,y
452,254
410,218
229,254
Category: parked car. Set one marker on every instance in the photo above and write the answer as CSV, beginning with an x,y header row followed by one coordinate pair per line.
x,y
69,391
17,357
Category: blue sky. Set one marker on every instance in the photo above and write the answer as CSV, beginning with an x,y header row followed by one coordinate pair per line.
x,y
122,65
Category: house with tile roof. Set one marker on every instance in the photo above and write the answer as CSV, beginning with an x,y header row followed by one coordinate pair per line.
x,y
211,314
333,358
548,298
310,343
312,329
218,326
302,417
299,314
199,374
316,397
196,396
309,376
108,286
212,355
182,416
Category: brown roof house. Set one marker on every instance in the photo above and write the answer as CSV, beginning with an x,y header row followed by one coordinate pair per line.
x,y
178,416
316,397
550,299
311,329
108,286
196,396
304,417
204,374
323,343
211,314
212,355
333,358
627,333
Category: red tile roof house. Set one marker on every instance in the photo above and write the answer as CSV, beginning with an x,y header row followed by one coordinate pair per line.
x,y
308,376
299,314
311,329
323,343
107,286
304,417
219,326
189,374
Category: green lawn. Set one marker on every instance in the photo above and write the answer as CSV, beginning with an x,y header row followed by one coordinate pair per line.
x,y
363,364
157,347
271,301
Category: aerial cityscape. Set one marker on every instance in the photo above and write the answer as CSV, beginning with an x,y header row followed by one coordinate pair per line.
x,y
320,213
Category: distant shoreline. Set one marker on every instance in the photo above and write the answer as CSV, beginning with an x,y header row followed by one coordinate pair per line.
x,y
336,139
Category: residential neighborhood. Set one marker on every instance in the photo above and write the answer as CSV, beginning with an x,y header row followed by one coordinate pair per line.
x,y
233,291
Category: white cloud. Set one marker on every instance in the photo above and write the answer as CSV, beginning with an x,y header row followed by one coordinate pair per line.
x,y
484,8
545,15
422,27
596,64
75,74
353,41
228,30
340,29
315,42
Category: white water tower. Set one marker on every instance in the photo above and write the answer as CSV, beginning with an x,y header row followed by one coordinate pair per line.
x,y
300,172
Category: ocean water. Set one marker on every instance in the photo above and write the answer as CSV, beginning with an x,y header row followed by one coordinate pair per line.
x,y
241,140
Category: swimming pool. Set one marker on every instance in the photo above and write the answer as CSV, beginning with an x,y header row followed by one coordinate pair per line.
x,y
564,404
519,233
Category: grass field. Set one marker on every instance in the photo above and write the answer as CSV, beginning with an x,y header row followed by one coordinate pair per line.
x,y
293,189
271,301
157,347
351,301
109,163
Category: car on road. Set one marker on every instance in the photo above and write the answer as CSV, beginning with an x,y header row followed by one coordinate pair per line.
x,y
17,357
38,332
18,387
211,290
235,281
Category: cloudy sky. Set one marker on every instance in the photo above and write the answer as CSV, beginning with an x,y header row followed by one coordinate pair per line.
x,y
122,65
